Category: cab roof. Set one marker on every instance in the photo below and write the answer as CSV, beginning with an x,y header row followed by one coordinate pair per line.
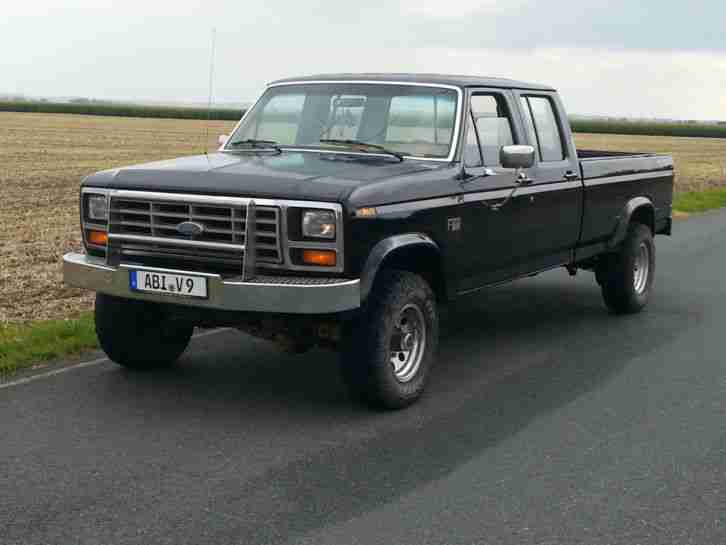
x,y
442,79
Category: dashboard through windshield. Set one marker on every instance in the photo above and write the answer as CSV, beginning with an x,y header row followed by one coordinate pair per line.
x,y
412,120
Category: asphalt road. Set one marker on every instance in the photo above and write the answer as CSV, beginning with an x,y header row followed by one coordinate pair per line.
x,y
547,421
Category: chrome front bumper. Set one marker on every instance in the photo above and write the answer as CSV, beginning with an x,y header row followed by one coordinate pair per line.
x,y
276,294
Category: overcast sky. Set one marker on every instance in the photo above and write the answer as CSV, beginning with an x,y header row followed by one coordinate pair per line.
x,y
661,58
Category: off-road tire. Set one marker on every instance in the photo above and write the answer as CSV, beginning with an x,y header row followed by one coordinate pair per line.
x,y
137,334
617,272
366,352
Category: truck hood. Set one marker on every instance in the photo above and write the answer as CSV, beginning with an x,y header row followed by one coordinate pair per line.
x,y
289,175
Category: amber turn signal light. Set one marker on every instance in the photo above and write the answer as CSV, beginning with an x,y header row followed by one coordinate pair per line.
x,y
321,258
99,238
369,212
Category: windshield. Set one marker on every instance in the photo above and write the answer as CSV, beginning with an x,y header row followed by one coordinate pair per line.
x,y
412,120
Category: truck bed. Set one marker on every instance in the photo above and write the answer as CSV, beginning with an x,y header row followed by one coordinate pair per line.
x,y
613,178
599,164
583,154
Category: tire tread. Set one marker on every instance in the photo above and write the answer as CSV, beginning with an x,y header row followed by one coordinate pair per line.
x,y
123,337
615,273
364,362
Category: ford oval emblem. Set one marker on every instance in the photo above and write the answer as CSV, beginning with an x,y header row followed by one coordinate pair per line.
x,y
190,228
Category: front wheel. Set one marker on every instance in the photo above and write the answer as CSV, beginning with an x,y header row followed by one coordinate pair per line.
x,y
390,348
626,277
137,334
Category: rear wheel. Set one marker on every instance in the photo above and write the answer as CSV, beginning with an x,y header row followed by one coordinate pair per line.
x,y
390,348
626,277
138,334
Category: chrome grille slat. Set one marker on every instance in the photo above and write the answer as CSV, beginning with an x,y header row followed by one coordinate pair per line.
x,y
135,223
176,215
213,218
259,221
148,226
212,230
129,211
176,242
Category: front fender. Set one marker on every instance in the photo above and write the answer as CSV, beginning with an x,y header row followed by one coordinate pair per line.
x,y
386,248
631,207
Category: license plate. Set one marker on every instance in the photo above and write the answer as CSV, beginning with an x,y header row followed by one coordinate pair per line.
x,y
171,284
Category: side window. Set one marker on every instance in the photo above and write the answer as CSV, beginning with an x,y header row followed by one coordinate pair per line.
x,y
493,126
472,153
529,125
549,138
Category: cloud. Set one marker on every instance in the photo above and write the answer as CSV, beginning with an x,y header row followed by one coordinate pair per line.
x,y
647,24
459,8
597,81
619,57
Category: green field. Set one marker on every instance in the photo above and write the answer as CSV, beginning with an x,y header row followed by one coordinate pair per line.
x,y
695,130
121,110
692,130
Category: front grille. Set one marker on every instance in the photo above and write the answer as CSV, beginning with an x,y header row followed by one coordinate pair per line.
x,y
145,230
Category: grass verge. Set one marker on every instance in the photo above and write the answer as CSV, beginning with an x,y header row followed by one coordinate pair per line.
x,y
22,345
700,201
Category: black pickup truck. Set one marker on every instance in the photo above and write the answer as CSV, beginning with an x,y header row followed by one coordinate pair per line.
x,y
345,210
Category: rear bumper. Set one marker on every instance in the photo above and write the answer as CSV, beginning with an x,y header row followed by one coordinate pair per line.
x,y
272,294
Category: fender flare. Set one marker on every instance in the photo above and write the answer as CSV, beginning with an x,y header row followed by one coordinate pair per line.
x,y
621,230
385,248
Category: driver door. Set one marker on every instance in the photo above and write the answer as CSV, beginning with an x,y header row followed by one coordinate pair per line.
x,y
494,218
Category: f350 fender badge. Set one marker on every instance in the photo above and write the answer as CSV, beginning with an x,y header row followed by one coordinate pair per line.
x,y
454,224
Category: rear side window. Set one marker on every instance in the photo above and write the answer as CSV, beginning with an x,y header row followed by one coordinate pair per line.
x,y
541,124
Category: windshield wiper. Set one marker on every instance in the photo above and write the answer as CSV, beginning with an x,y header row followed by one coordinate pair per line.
x,y
255,144
360,144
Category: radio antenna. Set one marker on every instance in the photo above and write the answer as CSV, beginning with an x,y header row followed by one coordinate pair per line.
x,y
211,82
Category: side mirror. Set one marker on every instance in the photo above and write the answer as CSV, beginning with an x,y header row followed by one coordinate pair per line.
x,y
518,157
222,140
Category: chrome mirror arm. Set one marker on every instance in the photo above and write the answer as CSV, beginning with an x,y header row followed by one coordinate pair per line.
x,y
522,178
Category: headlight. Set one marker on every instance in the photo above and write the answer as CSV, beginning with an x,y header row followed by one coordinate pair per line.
x,y
98,208
318,224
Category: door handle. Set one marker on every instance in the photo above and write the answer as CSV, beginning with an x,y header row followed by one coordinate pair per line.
x,y
495,203
571,176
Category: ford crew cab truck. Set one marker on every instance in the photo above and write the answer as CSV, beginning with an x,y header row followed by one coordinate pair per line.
x,y
343,211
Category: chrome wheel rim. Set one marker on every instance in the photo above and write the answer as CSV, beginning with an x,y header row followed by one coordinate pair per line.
x,y
408,343
641,269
